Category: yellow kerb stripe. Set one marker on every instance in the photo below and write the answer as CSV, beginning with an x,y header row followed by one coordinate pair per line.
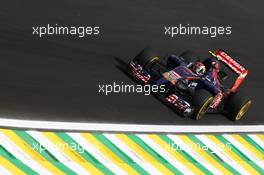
x,y
261,136
140,151
108,153
169,149
205,156
72,154
248,146
30,151
11,168
233,155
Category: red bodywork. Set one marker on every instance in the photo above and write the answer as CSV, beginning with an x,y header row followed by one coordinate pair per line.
x,y
235,66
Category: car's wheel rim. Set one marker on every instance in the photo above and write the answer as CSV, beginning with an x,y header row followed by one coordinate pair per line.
x,y
204,108
243,110
152,61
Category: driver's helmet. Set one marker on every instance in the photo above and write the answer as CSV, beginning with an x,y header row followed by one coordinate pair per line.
x,y
199,68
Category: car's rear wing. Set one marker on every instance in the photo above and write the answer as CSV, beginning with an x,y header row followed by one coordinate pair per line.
x,y
233,65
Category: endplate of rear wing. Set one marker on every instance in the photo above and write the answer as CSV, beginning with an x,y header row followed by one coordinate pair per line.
x,y
233,65
230,62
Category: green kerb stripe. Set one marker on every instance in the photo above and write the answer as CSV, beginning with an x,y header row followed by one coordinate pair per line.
x,y
153,153
253,143
240,154
214,156
44,153
84,154
185,155
123,156
16,162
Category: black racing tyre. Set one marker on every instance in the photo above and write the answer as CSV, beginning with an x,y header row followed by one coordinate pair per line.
x,y
147,57
201,102
237,106
189,56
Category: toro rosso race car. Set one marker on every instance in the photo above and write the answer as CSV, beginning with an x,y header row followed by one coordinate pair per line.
x,y
193,86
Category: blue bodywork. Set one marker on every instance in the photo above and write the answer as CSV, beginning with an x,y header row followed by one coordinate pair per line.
x,y
208,81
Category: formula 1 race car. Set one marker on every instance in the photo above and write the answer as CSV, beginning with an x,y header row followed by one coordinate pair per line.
x,y
193,86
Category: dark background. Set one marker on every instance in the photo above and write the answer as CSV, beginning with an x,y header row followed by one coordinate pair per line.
x,y
56,78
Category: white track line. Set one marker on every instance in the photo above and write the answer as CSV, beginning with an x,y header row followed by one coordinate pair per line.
x,y
75,126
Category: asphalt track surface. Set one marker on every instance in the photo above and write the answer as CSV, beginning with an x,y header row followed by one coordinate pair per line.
x,y
56,77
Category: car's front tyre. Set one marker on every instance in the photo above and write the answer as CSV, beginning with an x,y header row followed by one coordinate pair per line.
x,y
201,101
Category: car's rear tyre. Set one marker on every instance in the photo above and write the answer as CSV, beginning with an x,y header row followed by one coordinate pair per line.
x,y
201,101
147,57
189,56
237,105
